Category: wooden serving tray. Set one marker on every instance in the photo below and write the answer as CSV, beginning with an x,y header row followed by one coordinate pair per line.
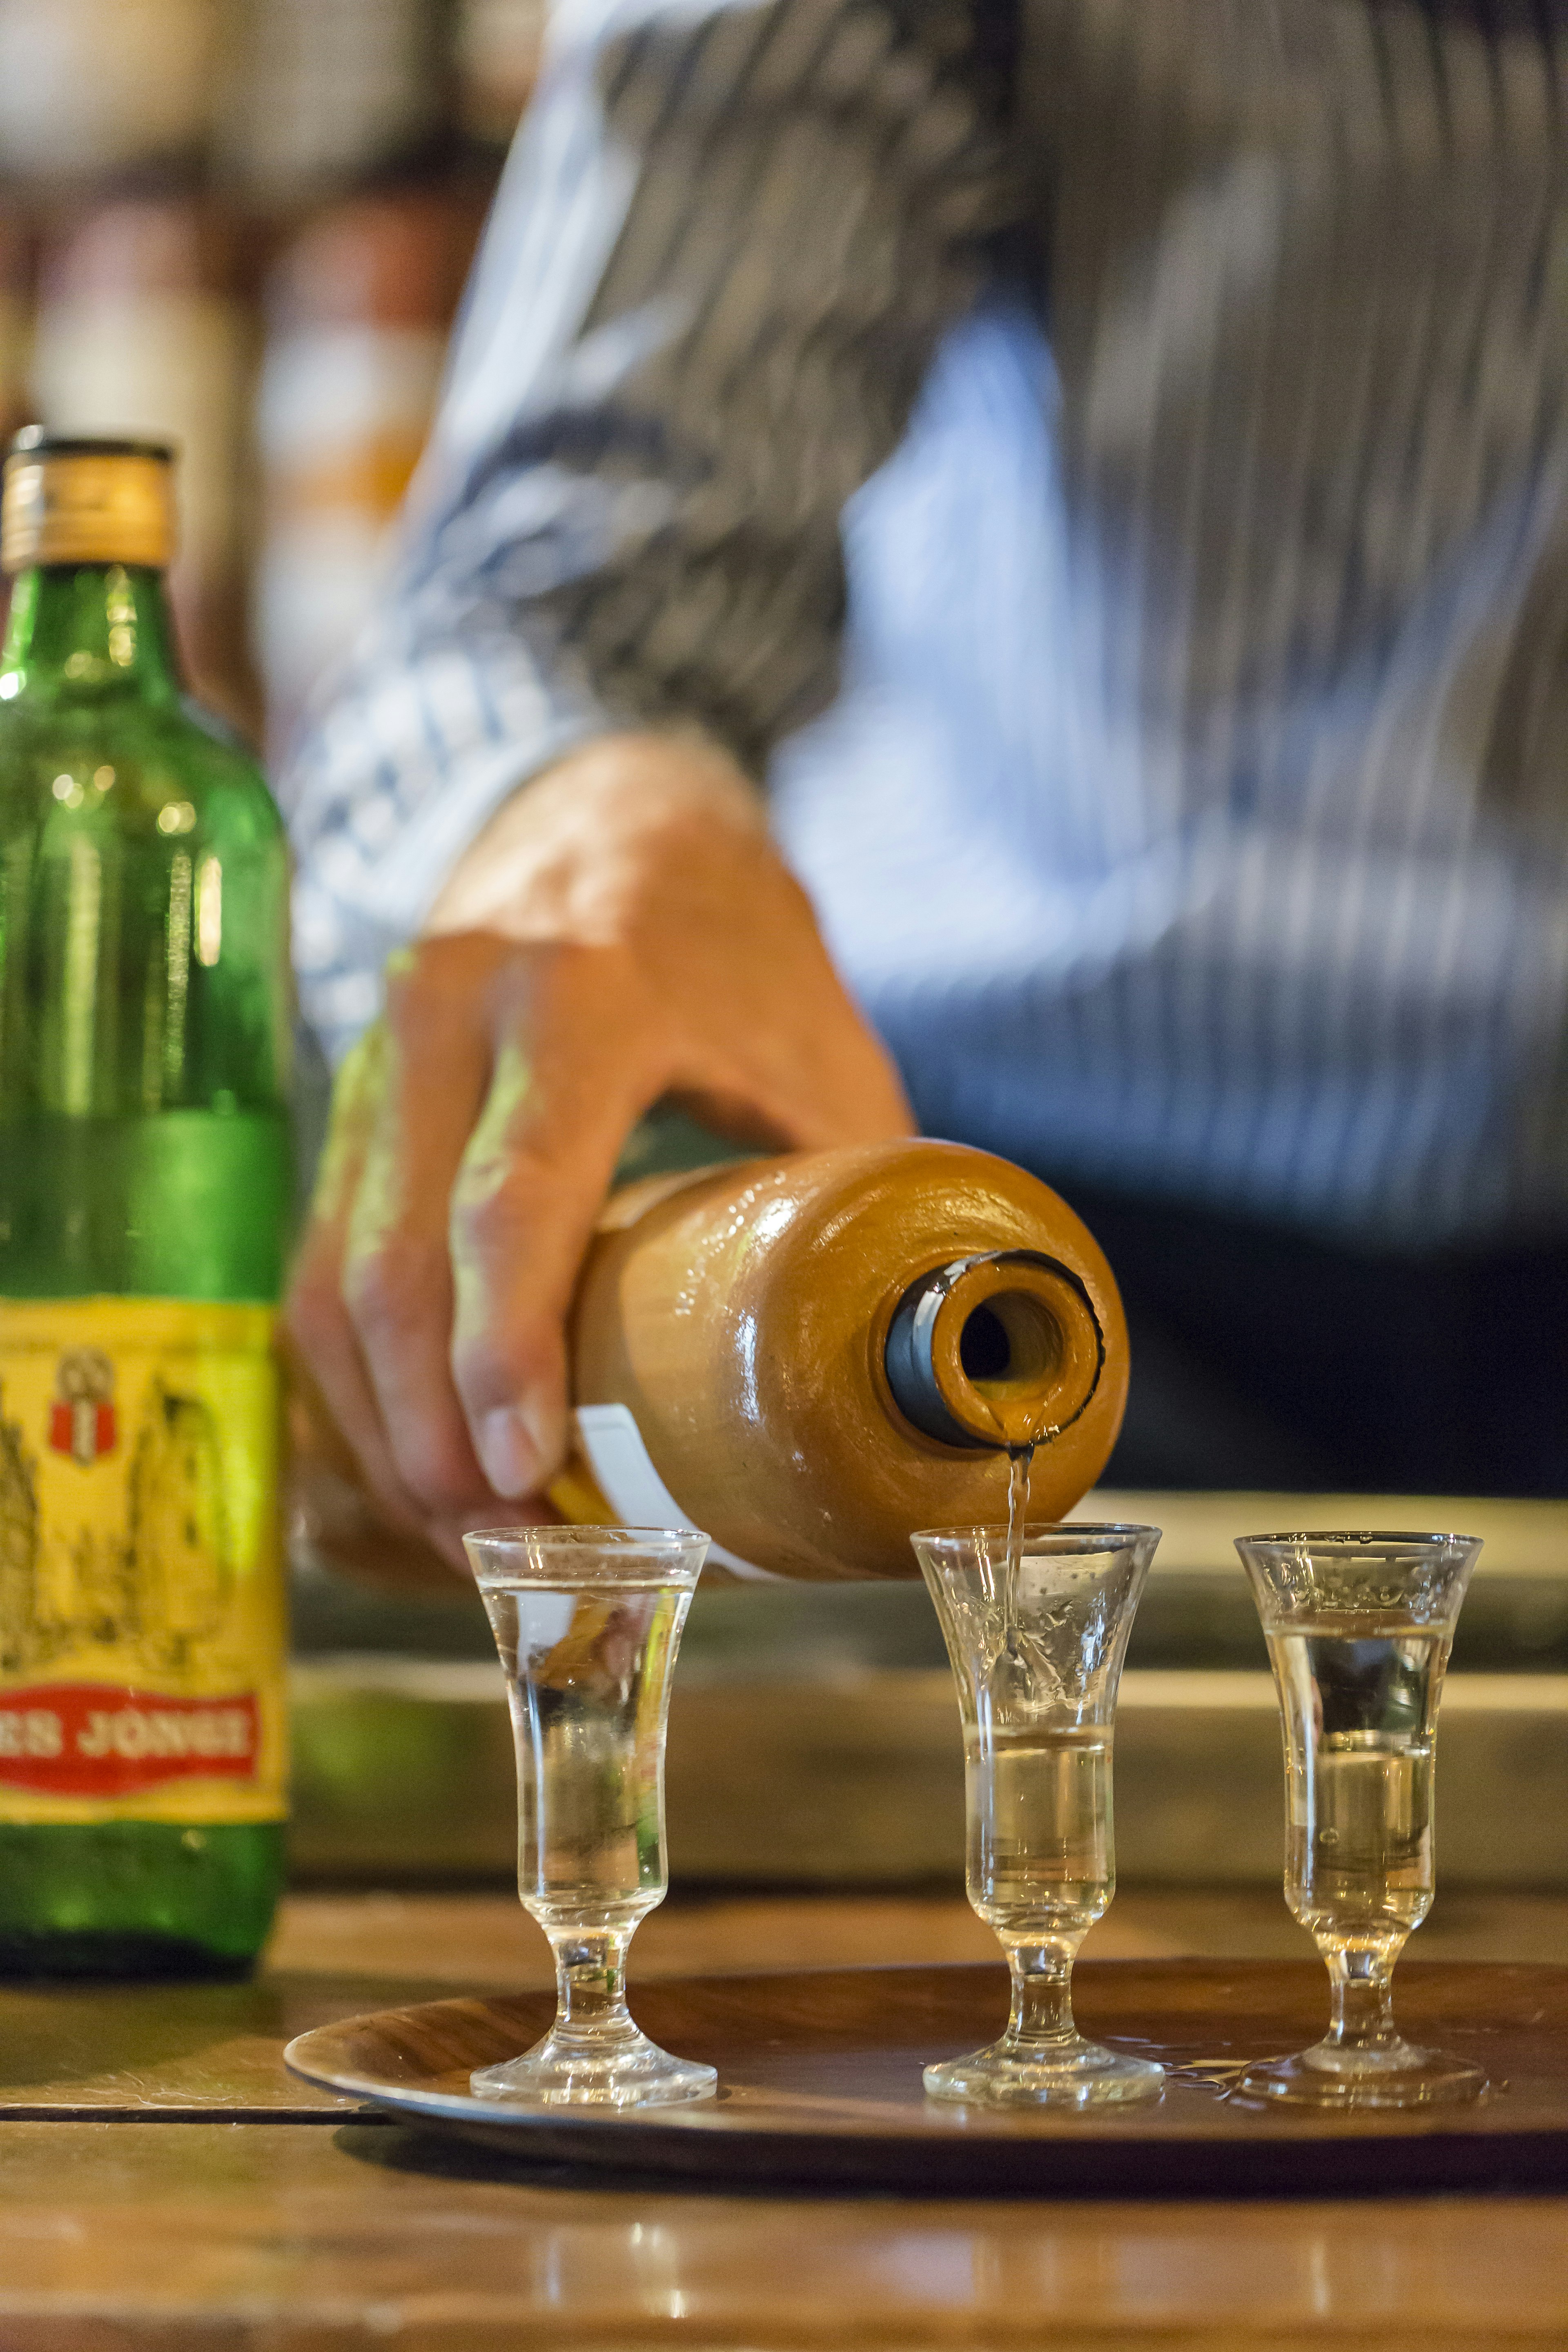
x,y
819,2076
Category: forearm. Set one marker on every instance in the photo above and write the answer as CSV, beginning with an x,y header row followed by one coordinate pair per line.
x,y
723,248
524,876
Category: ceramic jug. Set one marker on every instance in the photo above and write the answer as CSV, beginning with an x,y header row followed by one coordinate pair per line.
x,y
812,1356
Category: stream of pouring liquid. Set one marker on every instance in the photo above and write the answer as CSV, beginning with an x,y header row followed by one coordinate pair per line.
x,y
1020,1453
1020,1461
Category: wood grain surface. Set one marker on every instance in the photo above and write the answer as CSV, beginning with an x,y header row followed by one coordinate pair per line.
x,y
119,2238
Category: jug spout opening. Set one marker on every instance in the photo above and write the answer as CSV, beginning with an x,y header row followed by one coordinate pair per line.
x,y
997,1351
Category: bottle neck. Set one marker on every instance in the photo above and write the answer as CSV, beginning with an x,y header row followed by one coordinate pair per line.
x,y
89,632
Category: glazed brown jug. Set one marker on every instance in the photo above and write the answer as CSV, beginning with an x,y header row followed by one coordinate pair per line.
x,y
814,1356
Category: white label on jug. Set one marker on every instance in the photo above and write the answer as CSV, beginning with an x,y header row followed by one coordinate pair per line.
x,y
613,1447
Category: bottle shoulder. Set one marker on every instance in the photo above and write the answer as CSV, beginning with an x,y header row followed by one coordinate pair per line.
x,y
158,769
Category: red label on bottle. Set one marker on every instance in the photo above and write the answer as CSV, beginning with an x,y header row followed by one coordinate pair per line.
x,y
98,1739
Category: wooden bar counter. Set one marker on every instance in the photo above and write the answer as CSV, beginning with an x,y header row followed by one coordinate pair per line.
x,y
164,2181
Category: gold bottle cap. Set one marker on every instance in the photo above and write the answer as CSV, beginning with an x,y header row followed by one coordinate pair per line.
x,y
70,499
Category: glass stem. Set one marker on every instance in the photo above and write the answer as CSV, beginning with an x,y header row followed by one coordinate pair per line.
x,y
1041,2016
591,1984
1361,1984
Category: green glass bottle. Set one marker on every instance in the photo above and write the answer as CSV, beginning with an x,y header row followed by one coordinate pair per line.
x,y
145,1197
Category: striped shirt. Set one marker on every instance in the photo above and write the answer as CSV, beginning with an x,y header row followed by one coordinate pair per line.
x,y
1104,464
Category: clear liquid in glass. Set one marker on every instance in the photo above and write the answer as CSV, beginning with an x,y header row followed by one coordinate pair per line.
x,y
1359,1624
1035,1620
587,1622
1361,1715
1040,1834
586,1674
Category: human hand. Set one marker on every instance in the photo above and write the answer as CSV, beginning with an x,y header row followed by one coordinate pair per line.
x,y
624,932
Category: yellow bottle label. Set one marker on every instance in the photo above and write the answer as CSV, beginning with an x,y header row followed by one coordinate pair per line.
x,y
143,1624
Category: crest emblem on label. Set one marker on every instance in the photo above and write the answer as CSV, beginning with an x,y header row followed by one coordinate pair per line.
x,y
81,1418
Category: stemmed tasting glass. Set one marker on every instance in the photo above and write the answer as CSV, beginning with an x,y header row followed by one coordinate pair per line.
x,y
1359,1628
1036,1652
587,1621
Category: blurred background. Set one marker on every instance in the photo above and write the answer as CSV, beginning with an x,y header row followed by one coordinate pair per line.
x,y
246,225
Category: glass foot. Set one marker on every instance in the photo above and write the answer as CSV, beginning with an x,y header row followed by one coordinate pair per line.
x,y
1400,2076
1075,2075
561,2072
